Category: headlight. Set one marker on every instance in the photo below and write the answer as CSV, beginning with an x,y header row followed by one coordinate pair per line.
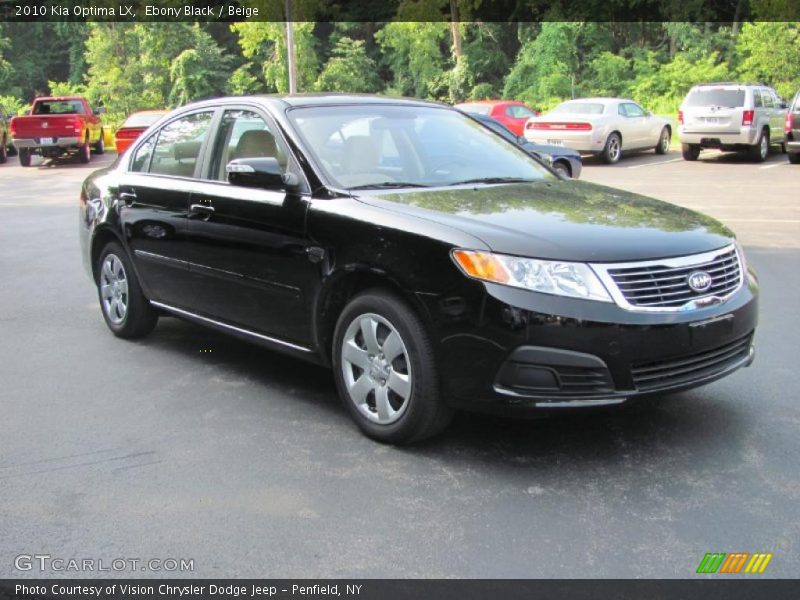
x,y
576,280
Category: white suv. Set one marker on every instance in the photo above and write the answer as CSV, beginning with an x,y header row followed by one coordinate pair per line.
x,y
731,116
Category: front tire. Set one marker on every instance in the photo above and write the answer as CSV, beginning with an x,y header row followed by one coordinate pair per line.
x,y
760,151
663,141
612,151
126,311
562,169
690,152
25,157
384,366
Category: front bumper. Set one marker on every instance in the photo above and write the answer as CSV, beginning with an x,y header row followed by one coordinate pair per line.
x,y
57,142
529,352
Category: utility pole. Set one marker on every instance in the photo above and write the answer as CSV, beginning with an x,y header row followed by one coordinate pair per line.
x,y
290,56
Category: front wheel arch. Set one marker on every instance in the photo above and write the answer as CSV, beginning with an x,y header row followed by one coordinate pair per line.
x,y
100,240
341,287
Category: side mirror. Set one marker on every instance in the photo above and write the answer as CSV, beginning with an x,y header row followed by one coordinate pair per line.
x,y
263,173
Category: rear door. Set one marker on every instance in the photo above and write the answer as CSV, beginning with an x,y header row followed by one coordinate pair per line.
x,y
248,251
714,110
153,201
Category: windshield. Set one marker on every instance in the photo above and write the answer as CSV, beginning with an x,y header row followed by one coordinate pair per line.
x,y
579,108
408,146
716,97
144,119
480,109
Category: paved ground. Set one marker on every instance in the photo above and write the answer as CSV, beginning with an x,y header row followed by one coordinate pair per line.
x,y
192,445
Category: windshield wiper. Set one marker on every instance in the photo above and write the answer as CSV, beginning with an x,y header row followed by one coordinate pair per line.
x,y
493,180
385,185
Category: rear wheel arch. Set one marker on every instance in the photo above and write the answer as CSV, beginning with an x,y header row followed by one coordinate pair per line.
x,y
100,240
341,289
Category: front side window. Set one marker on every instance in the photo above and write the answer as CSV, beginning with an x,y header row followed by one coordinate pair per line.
x,y
767,99
244,134
407,146
178,145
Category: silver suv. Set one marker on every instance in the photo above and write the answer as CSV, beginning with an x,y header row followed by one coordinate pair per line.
x,y
731,116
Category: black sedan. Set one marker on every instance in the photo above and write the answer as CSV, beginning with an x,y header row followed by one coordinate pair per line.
x,y
565,161
433,265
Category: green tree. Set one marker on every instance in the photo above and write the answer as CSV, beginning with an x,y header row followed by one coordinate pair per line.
x,y
200,71
349,69
769,52
414,53
265,44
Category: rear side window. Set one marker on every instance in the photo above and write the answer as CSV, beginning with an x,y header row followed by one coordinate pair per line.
x,y
766,97
178,145
716,97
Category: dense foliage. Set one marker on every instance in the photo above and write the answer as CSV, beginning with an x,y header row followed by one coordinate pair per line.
x,y
148,65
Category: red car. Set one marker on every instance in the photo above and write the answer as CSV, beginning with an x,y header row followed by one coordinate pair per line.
x,y
58,127
510,113
134,126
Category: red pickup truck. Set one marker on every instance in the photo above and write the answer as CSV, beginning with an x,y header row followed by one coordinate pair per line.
x,y
56,127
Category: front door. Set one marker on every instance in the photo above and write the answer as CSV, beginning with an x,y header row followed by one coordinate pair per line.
x,y
248,260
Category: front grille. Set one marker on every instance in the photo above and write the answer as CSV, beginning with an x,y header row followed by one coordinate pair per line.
x,y
668,373
653,285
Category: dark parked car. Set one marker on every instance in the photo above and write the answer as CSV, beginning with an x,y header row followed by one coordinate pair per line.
x,y
565,161
791,136
433,265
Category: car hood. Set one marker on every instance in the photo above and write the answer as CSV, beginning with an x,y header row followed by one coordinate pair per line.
x,y
563,220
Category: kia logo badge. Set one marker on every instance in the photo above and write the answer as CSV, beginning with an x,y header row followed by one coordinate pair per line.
x,y
699,281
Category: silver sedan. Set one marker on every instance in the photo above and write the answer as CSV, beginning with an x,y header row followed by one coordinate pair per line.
x,y
603,126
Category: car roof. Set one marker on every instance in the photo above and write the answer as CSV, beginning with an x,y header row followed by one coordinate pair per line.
x,y
58,98
282,101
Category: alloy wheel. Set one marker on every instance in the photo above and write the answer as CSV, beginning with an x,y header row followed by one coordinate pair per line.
x,y
114,289
376,368
613,148
764,146
665,141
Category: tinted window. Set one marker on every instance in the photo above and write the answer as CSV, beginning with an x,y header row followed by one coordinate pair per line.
x,y
519,112
758,100
715,97
179,144
373,144
243,134
766,97
58,107
580,108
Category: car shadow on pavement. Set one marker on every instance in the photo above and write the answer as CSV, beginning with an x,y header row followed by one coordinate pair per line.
x,y
593,436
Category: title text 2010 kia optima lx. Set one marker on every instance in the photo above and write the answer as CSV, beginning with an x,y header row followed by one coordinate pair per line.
x,y
432,264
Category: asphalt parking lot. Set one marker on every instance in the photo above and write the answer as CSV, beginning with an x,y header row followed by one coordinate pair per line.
x,y
191,445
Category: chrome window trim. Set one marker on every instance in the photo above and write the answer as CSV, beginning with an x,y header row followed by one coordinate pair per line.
x,y
602,271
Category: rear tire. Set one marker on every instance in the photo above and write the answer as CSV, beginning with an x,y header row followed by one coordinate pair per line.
x,y
85,152
794,158
664,141
125,309
3,151
759,152
690,151
100,146
12,151
612,151
25,157
388,379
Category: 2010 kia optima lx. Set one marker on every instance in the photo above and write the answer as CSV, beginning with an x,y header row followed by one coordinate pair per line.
x,y
431,263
